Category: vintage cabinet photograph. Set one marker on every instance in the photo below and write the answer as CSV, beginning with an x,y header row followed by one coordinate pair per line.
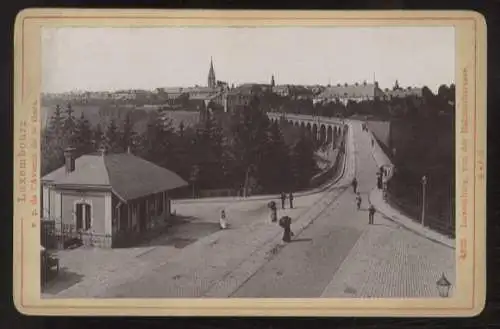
x,y
225,159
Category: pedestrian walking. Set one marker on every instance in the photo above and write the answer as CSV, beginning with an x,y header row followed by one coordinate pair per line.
x,y
290,197
355,185
286,222
283,198
274,211
371,214
223,222
358,201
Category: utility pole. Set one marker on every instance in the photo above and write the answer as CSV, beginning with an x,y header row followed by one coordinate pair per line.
x,y
424,183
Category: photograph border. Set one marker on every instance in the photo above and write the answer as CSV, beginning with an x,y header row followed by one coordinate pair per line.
x,y
470,146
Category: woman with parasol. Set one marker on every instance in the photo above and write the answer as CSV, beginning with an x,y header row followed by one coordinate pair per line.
x,y
286,223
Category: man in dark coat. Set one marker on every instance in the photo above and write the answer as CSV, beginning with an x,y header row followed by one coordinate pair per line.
x,y
371,214
274,211
355,185
290,196
283,198
358,201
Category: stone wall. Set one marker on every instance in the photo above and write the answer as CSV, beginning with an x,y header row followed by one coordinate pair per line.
x,y
381,130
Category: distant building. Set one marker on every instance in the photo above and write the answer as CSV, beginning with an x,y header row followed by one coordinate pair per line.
x,y
237,97
293,91
102,198
197,95
350,92
243,94
282,90
399,92
129,94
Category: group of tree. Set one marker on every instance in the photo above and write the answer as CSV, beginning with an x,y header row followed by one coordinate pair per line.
x,y
423,136
427,104
241,151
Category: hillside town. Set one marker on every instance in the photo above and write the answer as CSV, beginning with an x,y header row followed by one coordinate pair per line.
x,y
228,98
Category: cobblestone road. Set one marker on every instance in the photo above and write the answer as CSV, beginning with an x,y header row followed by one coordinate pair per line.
x,y
388,260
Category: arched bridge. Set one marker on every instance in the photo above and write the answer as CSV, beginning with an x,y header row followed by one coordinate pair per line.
x,y
323,129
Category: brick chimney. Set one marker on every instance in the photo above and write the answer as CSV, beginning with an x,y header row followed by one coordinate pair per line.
x,y
69,159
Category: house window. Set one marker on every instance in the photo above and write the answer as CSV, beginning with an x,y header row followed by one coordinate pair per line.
x,y
83,216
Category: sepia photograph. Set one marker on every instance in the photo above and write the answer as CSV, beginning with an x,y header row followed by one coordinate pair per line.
x,y
238,162
250,162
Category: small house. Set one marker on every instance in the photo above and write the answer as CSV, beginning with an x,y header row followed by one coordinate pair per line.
x,y
104,198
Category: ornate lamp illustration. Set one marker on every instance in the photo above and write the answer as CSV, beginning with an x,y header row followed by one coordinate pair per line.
x,y
443,286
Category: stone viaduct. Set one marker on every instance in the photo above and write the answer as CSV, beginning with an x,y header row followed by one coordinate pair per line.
x,y
323,129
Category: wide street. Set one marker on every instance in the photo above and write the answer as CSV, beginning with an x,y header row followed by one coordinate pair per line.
x,y
340,255
334,253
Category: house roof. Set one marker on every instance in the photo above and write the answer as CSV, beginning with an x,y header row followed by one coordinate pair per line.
x,y
201,90
352,91
405,92
202,96
130,177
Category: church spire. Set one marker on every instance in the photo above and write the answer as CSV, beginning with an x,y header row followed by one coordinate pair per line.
x,y
211,75
396,85
272,80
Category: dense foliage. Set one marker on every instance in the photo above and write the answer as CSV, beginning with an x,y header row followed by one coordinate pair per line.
x,y
223,152
422,132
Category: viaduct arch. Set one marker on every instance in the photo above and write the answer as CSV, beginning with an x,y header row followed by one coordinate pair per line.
x,y
324,130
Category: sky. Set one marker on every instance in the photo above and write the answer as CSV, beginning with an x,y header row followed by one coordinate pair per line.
x,y
106,59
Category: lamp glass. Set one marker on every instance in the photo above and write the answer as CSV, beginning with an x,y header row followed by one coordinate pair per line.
x,y
443,290
443,286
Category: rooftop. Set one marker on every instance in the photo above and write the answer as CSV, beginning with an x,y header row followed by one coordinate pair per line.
x,y
130,177
350,90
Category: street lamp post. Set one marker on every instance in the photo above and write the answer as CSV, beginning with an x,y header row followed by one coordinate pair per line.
x,y
424,183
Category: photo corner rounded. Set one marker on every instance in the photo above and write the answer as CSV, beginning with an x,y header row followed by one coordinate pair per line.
x,y
22,14
478,17
478,308
18,305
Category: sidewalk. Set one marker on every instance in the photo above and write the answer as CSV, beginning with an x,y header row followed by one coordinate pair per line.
x,y
395,257
268,197
376,198
383,207
389,261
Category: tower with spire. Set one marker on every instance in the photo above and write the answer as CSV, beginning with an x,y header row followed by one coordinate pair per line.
x,y
272,81
212,83
396,85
